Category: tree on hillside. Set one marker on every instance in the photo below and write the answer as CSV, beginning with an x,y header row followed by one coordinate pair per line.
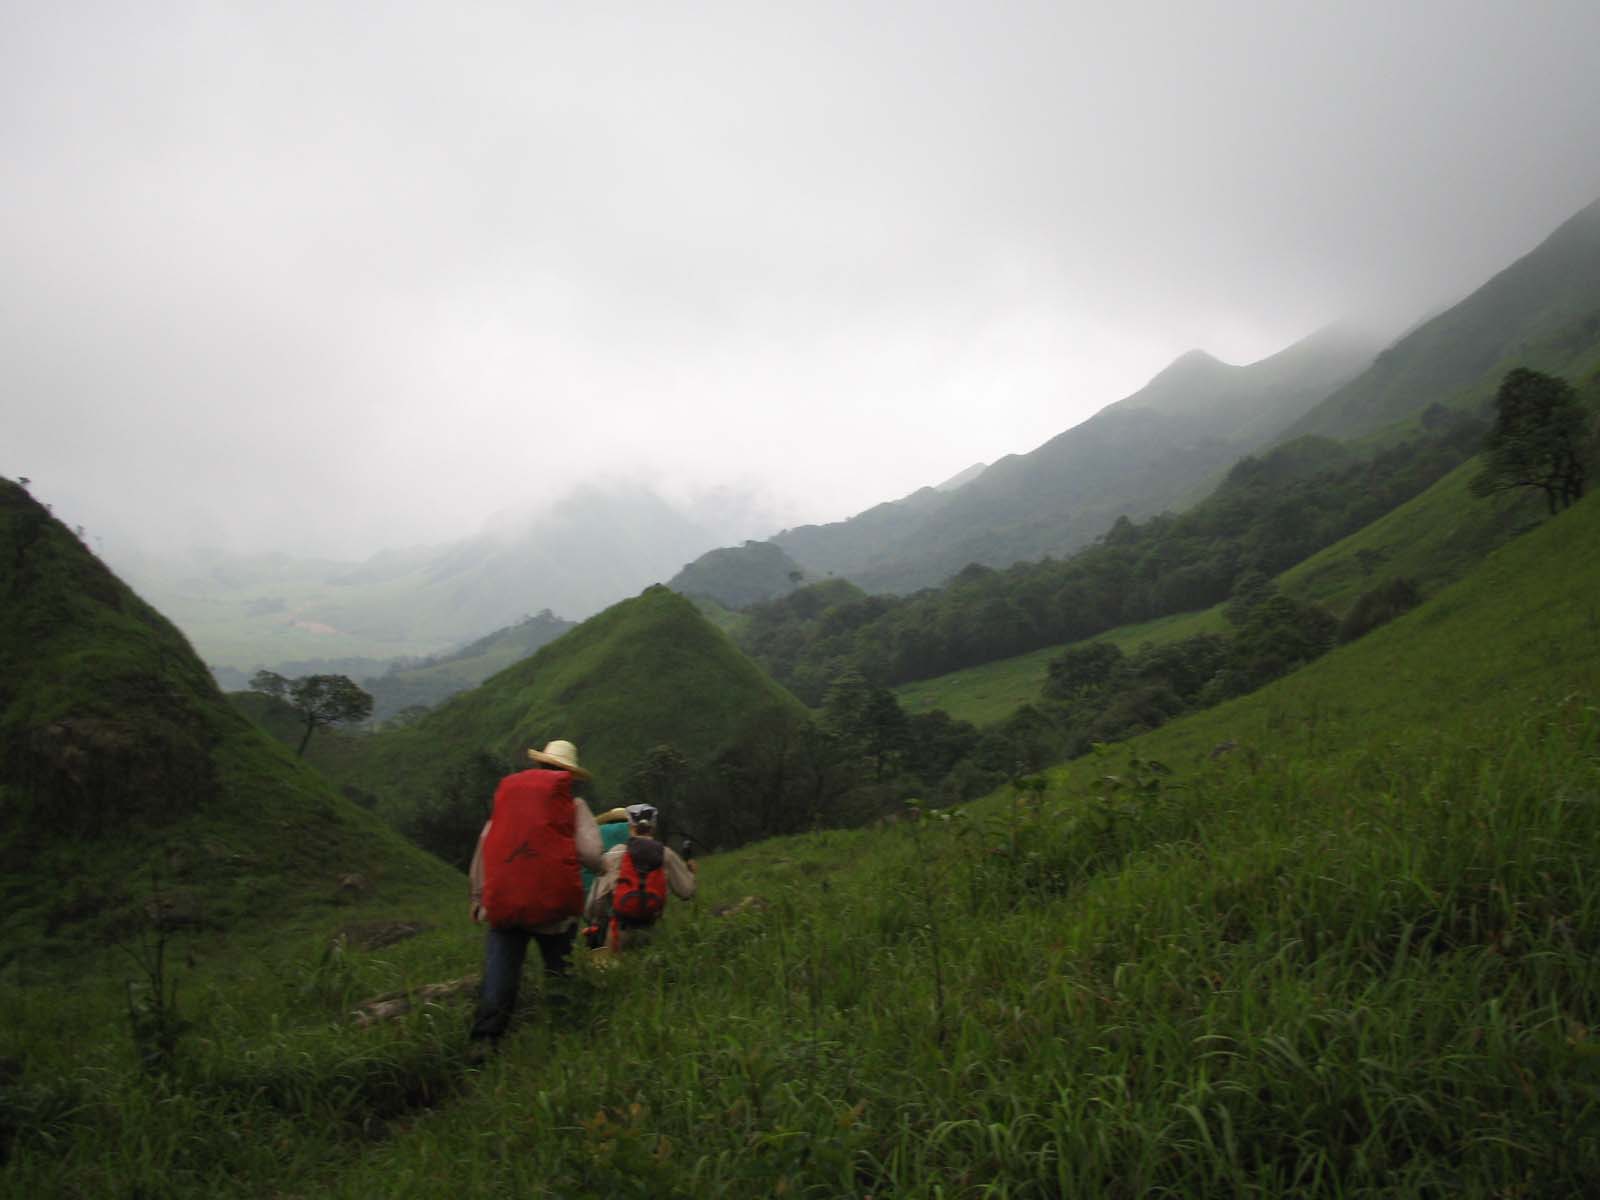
x,y
867,721
1537,440
1250,592
657,778
318,700
1082,669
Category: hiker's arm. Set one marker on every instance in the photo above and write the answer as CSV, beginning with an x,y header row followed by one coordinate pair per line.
x,y
605,883
475,875
587,836
679,877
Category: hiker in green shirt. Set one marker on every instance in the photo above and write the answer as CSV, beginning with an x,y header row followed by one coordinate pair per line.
x,y
635,878
613,832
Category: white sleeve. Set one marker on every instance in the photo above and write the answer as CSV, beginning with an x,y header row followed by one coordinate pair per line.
x,y
587,836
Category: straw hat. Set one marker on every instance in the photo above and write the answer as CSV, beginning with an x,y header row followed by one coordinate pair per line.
x,y
560,754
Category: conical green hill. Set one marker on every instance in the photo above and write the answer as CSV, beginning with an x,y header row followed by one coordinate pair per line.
x,y
647,671
122,770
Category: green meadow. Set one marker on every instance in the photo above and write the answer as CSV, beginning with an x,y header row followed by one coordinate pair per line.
x,y
1432,540
993,691
1334,938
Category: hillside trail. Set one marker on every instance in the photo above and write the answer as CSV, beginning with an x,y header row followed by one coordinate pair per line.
x,y
392,1005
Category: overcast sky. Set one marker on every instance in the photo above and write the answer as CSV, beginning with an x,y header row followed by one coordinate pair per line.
x,y
337,276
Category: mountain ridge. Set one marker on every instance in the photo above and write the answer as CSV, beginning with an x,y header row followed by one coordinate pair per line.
x,y
1134,457
1541,311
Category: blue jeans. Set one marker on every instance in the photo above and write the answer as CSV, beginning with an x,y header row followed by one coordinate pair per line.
x,y
503,953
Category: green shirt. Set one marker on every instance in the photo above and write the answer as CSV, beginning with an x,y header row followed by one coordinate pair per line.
x,y
611,835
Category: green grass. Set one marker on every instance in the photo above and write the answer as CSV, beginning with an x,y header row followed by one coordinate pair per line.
x,y
122,768
993,691
647,671
1432,540
731,621
1351,955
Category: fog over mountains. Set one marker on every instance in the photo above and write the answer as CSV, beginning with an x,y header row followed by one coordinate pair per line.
x,y
1143,454
1160,448
594,547
602,543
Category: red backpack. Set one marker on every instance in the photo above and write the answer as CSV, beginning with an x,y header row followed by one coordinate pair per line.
x,y
641,891
530,855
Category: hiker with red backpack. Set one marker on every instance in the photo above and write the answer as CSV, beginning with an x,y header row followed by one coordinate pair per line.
x,y
524,878
631,893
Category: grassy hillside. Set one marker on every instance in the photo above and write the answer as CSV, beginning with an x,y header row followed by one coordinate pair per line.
x,y
123,772
1351,954
647,671
729,620
1432,540
993,691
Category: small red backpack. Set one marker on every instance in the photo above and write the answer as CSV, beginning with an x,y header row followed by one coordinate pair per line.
x,y
530,855
641,890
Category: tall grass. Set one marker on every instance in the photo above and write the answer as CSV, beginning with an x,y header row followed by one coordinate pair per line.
x,y
1355,955
1351,977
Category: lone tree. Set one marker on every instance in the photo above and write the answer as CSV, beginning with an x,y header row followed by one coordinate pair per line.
x,y
317,699
1537,440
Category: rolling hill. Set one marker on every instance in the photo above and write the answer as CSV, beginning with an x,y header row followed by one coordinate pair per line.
x,y
128,786
648,671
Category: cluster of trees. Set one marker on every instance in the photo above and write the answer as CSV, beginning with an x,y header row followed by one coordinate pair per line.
x,y
1270,512
862,756
1096,693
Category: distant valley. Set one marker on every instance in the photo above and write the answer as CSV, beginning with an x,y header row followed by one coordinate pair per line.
x,y
592,549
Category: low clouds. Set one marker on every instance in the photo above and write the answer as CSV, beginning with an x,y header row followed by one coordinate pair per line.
x,y
336,277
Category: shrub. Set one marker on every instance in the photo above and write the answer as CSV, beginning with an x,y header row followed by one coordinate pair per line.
x,y
1378,607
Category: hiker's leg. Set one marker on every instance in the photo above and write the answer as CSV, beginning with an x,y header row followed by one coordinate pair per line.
x,y
600,927
504,950
556,950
